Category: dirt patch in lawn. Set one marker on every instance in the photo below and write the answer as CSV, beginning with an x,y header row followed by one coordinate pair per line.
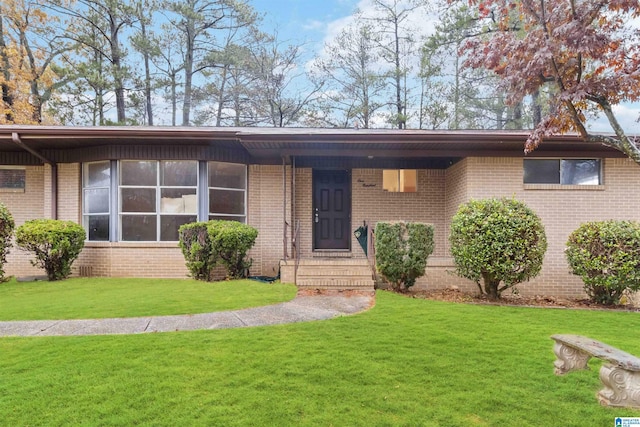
x,y
457,296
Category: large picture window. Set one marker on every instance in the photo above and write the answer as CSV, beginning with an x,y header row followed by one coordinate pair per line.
x,y
563,171
96,185
156,198
148,200
227,191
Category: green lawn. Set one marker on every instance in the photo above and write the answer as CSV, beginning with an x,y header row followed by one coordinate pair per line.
x,y
404,362
84,298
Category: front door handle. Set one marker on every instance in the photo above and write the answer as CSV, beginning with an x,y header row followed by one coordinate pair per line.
x,y
316,217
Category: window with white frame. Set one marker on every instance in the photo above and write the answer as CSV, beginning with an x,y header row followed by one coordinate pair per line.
x,y
563,171
156,198
400,180
96,188
227,191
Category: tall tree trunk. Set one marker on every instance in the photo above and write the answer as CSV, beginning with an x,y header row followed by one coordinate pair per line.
x,y
500,113
456,96
7,97
537,108
116,56
100,90
223,83
398,75
36,97
517,116
186,103
174,100
188,73
147,75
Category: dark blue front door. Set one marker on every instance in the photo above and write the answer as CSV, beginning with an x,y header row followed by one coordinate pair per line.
x,y
331,209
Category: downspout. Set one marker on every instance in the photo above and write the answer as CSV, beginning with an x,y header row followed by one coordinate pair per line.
x,y
54,190
284,208
15,137
293,203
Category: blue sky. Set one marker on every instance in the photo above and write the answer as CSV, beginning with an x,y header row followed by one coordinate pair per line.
x,y
312,22
303,22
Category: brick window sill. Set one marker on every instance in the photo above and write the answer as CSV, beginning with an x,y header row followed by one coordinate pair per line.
x,y
564,187
89,244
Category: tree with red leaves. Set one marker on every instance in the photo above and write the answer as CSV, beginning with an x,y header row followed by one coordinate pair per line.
x,y
585,53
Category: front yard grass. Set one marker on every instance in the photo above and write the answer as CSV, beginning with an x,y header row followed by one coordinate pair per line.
x,y
404,362
83,298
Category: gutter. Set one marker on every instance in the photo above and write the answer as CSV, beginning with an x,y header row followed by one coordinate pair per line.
x,y
15,137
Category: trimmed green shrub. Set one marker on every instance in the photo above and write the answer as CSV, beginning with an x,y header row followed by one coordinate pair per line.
x,y
500,241
402,250
230,242
56,244
6,231
606,255
196,248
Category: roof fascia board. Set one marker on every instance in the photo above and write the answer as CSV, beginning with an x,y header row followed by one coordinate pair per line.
x,y
15,137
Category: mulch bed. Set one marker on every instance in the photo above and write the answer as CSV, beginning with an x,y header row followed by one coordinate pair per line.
x,y
457,296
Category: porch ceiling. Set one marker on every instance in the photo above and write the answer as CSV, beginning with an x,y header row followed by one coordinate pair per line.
x,y
264,143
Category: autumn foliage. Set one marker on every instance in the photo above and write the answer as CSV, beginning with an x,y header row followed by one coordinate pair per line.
x,y
26,74
584,53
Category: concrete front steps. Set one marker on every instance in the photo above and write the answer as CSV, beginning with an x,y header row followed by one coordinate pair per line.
x,y
327,273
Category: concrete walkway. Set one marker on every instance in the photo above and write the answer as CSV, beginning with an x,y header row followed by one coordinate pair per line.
x,y
300,309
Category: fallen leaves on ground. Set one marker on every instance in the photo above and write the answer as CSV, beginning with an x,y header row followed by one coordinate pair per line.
x,y
458,296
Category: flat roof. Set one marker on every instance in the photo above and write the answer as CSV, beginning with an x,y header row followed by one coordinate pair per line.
x,y
261,144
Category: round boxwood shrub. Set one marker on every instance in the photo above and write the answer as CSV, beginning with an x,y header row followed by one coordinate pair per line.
x,y
499,241
230,242
196,248
402,250
6,232
56,244
606,255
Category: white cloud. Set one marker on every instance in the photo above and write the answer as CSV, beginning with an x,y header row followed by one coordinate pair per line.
x,y
313,24
422,21
627,114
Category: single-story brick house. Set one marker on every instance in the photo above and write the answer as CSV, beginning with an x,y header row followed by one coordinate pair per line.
x,y
305,190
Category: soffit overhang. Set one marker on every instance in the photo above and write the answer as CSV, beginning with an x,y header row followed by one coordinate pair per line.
x,y
270,145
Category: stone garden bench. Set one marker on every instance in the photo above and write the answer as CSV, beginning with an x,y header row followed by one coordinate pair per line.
x,y
620,376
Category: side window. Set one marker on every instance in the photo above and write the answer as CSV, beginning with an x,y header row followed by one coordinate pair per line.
x,y
563,171
400,180
96,186
12,178
227,191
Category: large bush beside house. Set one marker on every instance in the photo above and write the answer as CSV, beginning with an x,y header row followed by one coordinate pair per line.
x,y
6,232
230,242
196,248
56,244
500,242
204,244
402,249
606,255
